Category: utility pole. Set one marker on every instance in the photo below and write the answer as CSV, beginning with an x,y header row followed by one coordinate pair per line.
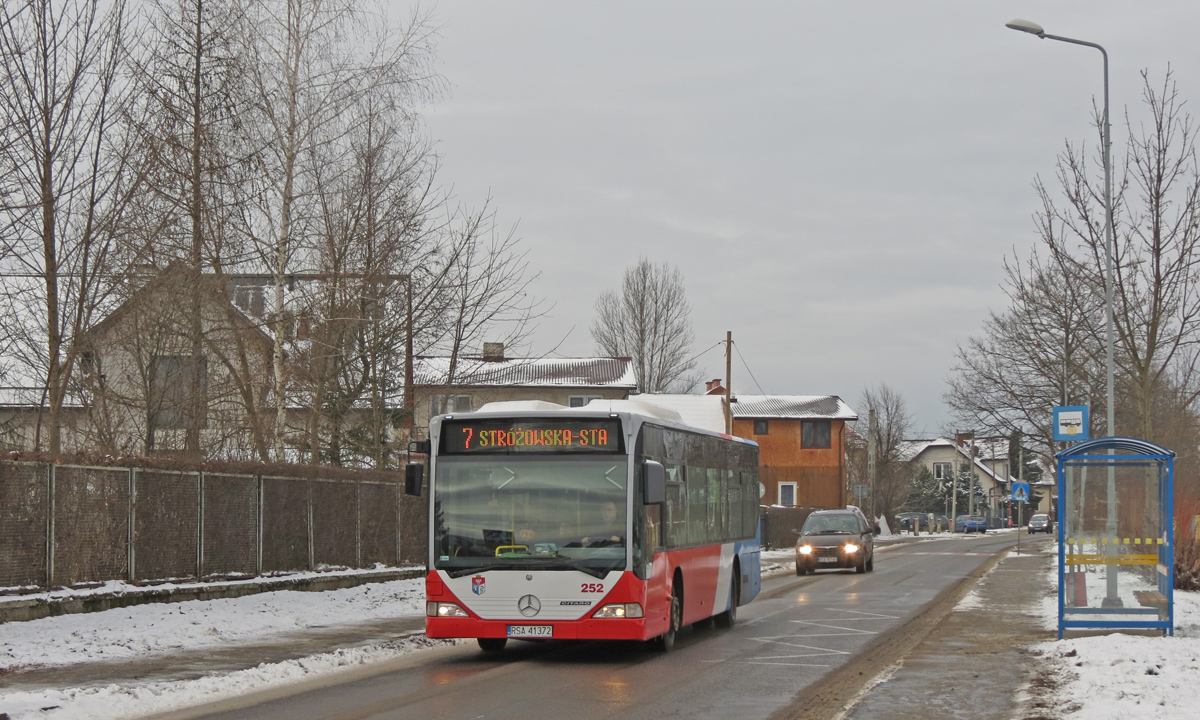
x,y
971,464
1020,478
872,444
728,382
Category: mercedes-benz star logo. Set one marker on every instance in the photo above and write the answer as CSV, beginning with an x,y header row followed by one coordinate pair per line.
x,y
529,605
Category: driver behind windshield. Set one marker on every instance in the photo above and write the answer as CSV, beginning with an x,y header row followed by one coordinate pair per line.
x,y
826,525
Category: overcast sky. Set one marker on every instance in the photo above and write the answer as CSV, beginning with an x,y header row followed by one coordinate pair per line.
x,y
838,181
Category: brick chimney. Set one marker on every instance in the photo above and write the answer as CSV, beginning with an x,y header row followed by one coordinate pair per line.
x,y
714,387
493,351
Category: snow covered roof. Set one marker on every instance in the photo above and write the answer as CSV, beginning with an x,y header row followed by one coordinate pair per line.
x,y
805,407
701,411
598,372
912,449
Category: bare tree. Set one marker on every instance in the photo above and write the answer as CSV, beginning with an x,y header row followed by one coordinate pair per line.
x,y
189,79
1049,345
308,61
649,320
894,473
65,179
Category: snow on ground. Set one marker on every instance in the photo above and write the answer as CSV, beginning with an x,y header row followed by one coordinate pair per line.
x,y
157,628
1119,676
110,702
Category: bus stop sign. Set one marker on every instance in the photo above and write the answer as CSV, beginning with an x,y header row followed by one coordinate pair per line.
x,y
1071,423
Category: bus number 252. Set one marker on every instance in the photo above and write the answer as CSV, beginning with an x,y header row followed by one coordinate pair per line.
x,y
591,588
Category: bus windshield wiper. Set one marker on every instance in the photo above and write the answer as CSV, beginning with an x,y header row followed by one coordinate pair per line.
x,y
558,564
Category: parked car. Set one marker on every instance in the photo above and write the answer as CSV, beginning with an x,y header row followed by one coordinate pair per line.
x,y
1041,522
970,523
904,521
836,539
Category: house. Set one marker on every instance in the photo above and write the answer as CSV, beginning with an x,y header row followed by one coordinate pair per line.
x,y
943,458
177,367
442,386
802,446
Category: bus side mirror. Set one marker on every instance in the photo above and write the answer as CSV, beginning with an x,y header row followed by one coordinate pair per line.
x,y
655,487
414,474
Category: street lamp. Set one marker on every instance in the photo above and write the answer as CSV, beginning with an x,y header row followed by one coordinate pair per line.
x,y
1034,29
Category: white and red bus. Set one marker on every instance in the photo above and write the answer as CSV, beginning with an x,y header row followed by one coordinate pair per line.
x,y
611,521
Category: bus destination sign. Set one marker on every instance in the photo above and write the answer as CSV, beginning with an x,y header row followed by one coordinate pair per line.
x,y
532,435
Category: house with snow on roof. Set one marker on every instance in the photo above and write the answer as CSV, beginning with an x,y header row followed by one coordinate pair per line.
x,y
802,446
944,457
442,386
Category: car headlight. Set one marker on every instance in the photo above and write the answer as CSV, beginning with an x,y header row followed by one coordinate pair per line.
x,y
851,548
805,549
619,610
444,609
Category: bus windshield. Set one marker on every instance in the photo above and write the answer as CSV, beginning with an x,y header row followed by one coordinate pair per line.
x,y
545,512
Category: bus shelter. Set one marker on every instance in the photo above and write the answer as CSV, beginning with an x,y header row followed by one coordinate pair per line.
x,y
1115,535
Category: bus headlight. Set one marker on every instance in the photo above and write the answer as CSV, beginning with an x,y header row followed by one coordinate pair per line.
x,y
806,549
851,548
444,609
619,610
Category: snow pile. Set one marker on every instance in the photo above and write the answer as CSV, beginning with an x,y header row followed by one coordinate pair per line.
x,y
158,628
1117,675
117,701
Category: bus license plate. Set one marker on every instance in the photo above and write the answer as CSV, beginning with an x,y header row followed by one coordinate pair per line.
x,y
531,631
827,559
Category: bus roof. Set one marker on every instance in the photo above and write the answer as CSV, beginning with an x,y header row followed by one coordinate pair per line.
x,y
645,409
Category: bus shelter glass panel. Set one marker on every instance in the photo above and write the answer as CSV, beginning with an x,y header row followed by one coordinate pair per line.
x,y
1115,535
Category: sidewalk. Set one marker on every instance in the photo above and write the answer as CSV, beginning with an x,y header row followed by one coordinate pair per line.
x,y
978,663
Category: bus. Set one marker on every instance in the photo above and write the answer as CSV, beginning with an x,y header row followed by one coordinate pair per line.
x,y
614,521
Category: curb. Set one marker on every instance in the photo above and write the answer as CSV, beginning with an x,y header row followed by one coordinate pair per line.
x,y
37,608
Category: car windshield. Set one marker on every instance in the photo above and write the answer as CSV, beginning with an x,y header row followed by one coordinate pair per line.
x,y
830,525
520,512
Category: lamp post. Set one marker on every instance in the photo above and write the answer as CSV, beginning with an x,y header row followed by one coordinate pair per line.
x,y
1111,599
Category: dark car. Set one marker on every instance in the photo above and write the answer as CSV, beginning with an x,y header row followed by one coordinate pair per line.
x,y
1041,523
836,539
970,523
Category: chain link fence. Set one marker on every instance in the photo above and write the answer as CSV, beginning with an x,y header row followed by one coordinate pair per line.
x,y
73,525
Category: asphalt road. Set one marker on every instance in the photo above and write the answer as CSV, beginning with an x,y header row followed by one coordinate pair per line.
x,y
795,632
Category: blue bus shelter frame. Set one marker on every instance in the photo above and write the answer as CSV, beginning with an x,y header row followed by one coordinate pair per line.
x,y
1095,453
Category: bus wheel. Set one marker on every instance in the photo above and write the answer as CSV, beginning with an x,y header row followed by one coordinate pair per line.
x,y
492,645
729,617
666,641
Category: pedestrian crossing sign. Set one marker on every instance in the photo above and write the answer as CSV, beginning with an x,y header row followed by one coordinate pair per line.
x,y
1020,492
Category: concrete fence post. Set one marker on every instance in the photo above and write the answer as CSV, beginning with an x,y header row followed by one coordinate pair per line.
x,y
258,566
312,564
357,524
200,526
50,509
132,541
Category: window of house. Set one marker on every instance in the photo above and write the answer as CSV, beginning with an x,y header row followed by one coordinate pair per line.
x,y
787,494
178,384
451,404
576,401
942,471
815,433
761,427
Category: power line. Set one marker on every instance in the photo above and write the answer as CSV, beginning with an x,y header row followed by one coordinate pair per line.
x,y
739,352
706,351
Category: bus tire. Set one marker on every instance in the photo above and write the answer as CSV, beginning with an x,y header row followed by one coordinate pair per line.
x,y
727,619
666,641
492,645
